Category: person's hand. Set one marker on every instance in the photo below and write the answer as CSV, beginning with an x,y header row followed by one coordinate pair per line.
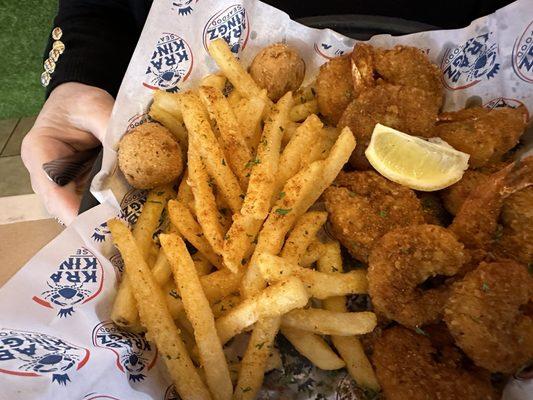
x,y
73,119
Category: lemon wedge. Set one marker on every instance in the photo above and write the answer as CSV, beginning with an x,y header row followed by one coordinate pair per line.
x,y
414,162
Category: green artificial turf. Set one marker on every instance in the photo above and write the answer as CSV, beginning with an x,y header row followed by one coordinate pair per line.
x,y
24,29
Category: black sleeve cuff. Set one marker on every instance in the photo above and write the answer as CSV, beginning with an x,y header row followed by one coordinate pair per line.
x,y
99,39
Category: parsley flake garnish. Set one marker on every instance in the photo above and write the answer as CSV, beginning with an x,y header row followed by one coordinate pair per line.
x,y
485,287
383,213
281,195
283,211
420,331
246,389
250,163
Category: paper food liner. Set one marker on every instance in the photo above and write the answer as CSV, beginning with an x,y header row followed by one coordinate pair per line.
x,y
56,337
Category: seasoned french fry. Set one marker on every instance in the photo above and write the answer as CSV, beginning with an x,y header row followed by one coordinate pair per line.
x,y
254,362
200,315
234,99
258,198
290,161
239,240
315,250
349,347
224,305
324,322
217,81
202,264
124,312
257,202
204,201
156,318
216,286
303,233
185,195
301,111
249,113
301,191
314,348
233,70
320,285
274,301
147,222
202,137
233,142
168,102
305,94
182,219
220,284
171,123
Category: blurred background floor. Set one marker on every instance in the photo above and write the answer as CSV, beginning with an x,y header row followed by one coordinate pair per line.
x,y
26,26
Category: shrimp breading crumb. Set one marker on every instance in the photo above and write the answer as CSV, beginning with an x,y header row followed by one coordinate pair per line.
x,y
363,206
408,367
484,315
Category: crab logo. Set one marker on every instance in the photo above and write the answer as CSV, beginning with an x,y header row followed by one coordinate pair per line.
x,y
171,63
78,279
183,7
231,24
24,353
329,51
522,55
468,64
134,355
100,233
171,393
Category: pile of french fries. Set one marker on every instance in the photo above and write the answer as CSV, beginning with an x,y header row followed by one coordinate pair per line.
x,y
254,171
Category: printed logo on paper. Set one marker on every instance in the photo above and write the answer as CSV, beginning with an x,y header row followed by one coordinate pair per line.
x,y
96,396
330,50
33,354
170,65
171,393
183,7
470,63
522,55
137,120
131,207
118,264
134,355
232,25
77,280
500,102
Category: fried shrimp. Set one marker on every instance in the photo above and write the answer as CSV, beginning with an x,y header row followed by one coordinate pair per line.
x,y
363,206
484,315
516,237
402,65
454,196
408,367
484,134
476,222
408,109
334,88
400,265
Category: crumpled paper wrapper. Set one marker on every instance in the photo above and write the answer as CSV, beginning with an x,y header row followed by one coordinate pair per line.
x,y
56,339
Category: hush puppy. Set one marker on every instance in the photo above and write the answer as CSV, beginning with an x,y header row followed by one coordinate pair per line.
x,y
149,156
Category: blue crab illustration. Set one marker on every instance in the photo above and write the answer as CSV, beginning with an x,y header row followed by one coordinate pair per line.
x,y
66,296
